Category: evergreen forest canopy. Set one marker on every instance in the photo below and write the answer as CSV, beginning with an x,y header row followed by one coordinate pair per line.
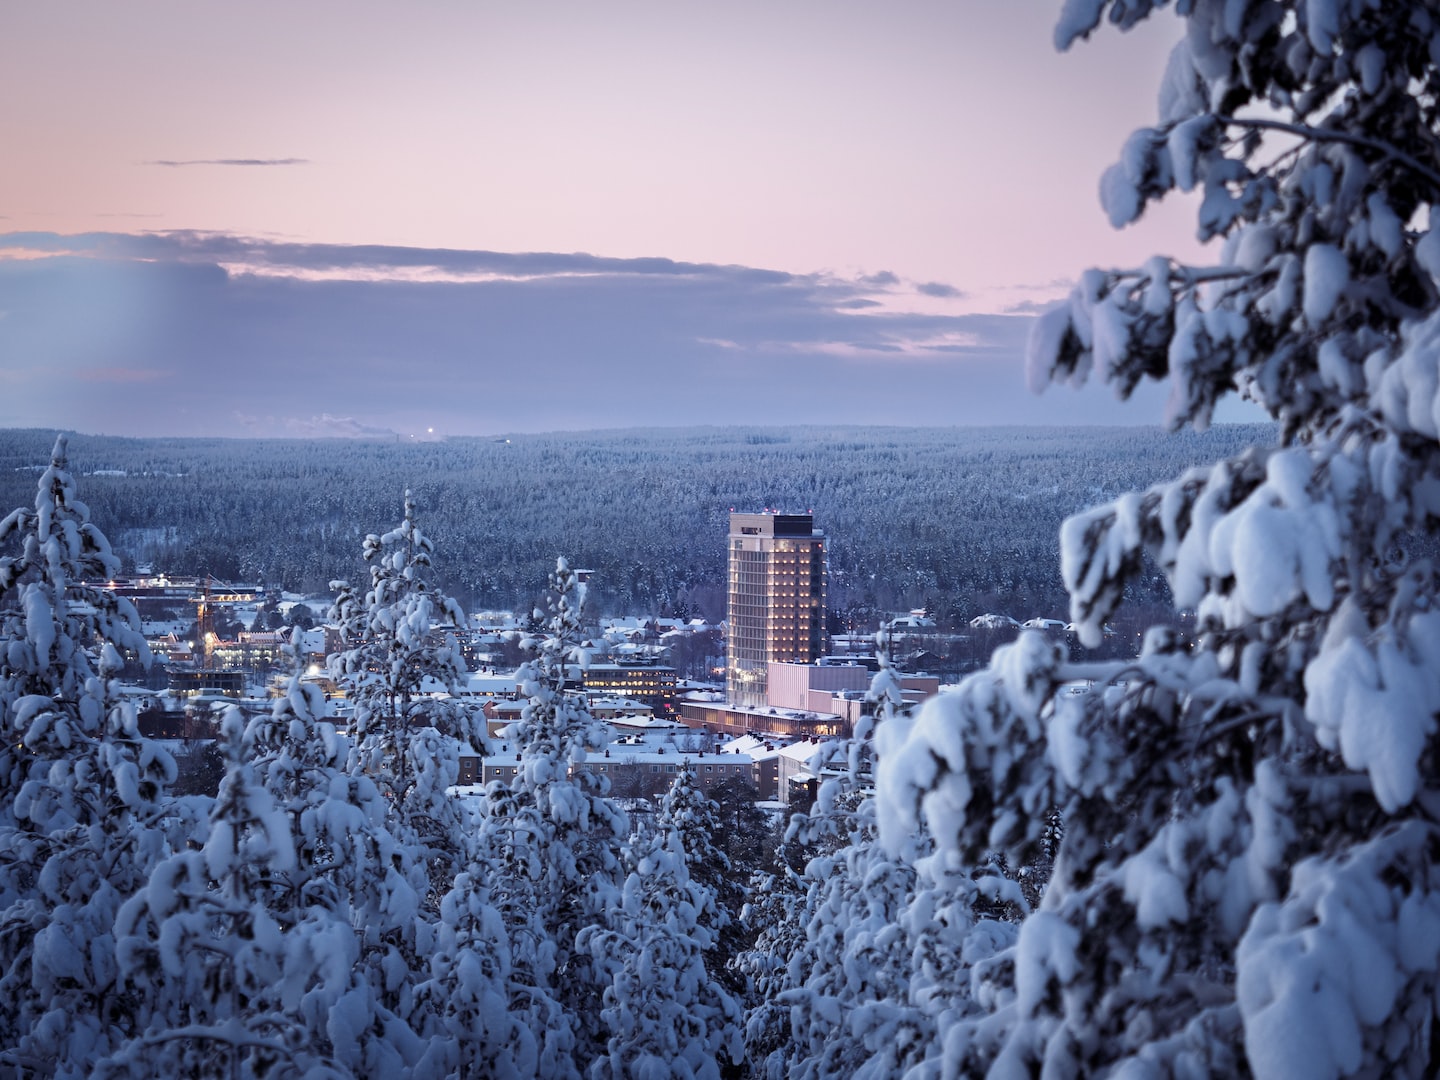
x,y
964,519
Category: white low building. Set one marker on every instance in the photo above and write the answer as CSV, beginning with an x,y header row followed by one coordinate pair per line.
x,y
634,770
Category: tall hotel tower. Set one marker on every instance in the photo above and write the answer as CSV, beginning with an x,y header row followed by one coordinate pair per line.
x,y
777,599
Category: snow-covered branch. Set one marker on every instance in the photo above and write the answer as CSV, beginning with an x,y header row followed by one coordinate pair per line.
x,y
1334,134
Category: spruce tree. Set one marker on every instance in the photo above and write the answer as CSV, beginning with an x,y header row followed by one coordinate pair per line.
x,y
666,1013
401,668
1246,882
81,807
200,948
555,838
342,881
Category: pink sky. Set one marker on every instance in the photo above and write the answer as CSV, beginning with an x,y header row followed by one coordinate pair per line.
x,y
945,142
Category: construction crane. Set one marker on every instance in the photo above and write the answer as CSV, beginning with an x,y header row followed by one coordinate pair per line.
x,y
205,618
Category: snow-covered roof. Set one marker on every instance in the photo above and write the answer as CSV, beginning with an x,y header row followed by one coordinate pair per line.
x,y
771,712
759,749
490,683
692,689
705,696
628,755
617,707
309,641
911,621
744,744
1045,624
646,723
809,752
991,621
128,690
621,623
632,649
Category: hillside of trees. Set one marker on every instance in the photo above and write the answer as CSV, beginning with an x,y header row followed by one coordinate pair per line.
x,y
335,909
963,520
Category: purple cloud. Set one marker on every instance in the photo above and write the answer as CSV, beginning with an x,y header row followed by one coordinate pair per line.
x,y
172,164
236,335
939,289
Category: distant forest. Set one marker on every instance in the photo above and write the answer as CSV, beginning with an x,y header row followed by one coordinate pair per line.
x,y
960,520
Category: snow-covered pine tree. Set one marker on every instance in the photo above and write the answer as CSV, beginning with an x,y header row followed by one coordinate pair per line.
x,y
781,915
400,655
849,974
557,837
344,881
665,1011
744,838
336,819
200,949
80,791
1247,880
464,1007
887,937
688,809
512,842
775,918
691,811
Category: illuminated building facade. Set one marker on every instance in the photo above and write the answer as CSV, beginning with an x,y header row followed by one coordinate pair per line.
x,y
648,683
776,600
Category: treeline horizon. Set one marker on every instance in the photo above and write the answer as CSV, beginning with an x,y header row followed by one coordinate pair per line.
x,y
959,520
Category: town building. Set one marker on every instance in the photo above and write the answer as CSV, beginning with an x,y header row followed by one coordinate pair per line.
x,y
250,650
776,600
650,684
779,680
787,772
719,718
811,686
226,684
641,771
